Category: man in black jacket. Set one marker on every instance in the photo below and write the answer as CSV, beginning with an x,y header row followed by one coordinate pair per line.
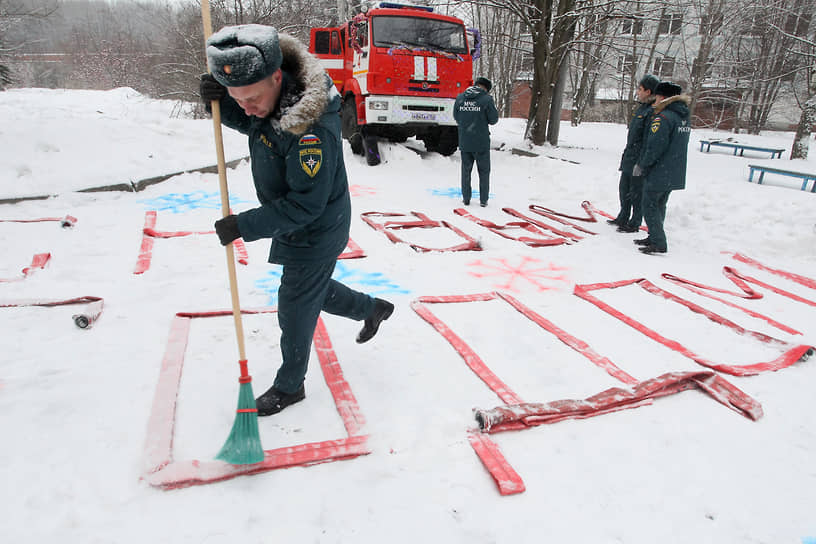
x,y
663,162
271,89
473,111
630,188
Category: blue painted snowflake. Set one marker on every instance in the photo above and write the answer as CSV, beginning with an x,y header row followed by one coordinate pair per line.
x,y
373,284
183,202
454,192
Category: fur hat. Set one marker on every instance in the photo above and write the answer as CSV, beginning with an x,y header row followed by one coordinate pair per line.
x,y
667,89
649,82
484,82
242,55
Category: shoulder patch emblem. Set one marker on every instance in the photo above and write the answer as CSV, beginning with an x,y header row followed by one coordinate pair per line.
x,y
311,159
656,125
309,139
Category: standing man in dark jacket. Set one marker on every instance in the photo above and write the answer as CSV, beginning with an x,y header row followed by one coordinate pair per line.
x,y
630,188
271,89
663,162
473,111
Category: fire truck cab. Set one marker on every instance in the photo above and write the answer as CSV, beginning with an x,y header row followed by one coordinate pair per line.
x,y
399,69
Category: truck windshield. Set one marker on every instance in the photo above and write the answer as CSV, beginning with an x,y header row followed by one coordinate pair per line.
x,y
418,32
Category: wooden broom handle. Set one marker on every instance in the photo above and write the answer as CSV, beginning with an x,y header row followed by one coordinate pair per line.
x,y
222,184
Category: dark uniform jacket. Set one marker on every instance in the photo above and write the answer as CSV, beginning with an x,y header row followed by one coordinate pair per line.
x,y
473,111
297,165
636,136
666,148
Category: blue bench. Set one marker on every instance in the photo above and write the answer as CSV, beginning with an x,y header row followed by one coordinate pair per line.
x,y
740,147
767,169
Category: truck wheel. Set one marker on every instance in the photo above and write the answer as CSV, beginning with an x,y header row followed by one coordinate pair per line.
x,y
350,130
448,141
372,149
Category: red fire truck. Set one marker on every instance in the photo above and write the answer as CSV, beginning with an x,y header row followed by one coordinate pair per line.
x,y
398,68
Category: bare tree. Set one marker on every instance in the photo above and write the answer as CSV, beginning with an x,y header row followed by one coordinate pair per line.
x,y
551,26
502,56
766,55
13,15
806,49
590,53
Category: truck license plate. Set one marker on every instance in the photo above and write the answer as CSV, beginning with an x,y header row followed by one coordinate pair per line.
x,y
423,116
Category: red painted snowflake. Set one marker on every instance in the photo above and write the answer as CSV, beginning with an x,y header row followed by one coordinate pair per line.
x,y
527,270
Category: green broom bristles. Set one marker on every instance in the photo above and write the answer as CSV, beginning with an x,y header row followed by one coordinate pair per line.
x,y
243,445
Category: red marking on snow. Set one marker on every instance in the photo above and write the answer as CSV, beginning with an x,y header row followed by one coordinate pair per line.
x,y
424,222
792,352
568,236
362,190
38,261
180,474
146,249
507,480
592,211
162,470
473,361
518,415
91,313
521,271
739,281
352,251
480,368
149,234
511,417
562,217
802,280
67,221
541,239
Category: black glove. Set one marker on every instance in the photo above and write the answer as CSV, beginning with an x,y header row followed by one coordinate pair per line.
x,y
637,171
209,89
227,229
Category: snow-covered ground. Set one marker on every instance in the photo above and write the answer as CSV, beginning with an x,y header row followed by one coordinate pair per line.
x,y
76,405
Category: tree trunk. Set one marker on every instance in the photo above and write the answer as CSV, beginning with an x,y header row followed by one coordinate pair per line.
x,y
557,101
806,123
541,92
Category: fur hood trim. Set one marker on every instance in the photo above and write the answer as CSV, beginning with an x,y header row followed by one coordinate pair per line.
x,y
660,106
302,110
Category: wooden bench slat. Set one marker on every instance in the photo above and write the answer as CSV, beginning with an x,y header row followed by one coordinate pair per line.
x,y
741,147
771,170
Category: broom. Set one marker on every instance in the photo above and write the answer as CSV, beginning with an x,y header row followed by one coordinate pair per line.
x,y
243,445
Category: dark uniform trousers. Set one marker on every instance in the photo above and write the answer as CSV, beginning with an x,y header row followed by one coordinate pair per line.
x,y
631,198
305,291
654,211
482,159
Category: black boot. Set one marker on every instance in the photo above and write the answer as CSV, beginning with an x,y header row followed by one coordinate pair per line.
x,y
643,241
382,311
273,401
627,228
650,249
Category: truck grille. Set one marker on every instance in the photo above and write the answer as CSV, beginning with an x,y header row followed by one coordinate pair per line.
x,y
422,108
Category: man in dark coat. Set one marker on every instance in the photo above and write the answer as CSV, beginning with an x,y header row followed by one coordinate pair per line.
x,y
473,111
663,162
271,89
630,188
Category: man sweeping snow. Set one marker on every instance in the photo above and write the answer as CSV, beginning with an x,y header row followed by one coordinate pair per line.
x,y
271,89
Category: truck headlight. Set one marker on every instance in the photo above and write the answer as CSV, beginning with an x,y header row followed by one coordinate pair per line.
x,y
381,105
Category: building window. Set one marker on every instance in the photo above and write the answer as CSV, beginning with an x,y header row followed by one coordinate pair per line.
x,y
632,25
626,64
711,24
670,23
664,67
